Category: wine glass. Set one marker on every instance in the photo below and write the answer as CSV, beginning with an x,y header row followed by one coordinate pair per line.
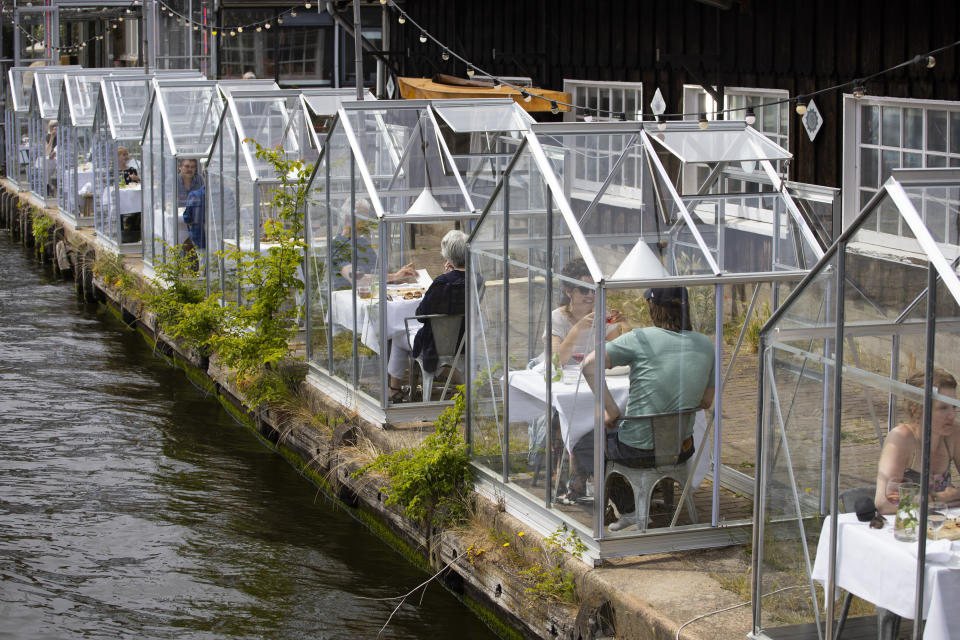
x,y
577,357
936,517
893,491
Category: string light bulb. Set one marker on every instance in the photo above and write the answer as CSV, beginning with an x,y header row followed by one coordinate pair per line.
x,y
196,28
801,108
233,33
266,26
554,107
931,62
307,5
293,14
704,123
470,72
383,1
279,20
587,117
526,95
259,29
423,37
213,32
239,29
120,19
445,55
859,90
751,117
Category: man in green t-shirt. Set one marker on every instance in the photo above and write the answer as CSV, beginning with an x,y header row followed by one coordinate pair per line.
x,y
671,369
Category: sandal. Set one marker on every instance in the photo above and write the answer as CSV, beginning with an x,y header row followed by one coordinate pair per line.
x,y
398,395
569,498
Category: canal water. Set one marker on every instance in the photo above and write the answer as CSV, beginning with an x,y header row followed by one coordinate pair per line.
x,y
133,506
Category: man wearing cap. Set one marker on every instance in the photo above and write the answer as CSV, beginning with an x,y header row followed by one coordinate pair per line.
x,y
671,369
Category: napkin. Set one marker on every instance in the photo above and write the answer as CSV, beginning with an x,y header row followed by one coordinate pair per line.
x,y
423,278
937,550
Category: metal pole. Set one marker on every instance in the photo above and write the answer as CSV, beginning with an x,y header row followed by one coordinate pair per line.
x,y
358,48
925,437
835,444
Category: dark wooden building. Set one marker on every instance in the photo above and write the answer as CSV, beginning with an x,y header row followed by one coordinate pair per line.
x,y
800,47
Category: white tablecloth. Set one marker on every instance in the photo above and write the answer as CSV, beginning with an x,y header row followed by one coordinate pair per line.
x,y
130,199
85,179
873,565
575,407
368,322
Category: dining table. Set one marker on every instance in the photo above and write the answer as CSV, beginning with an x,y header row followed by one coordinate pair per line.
x,y
873,565
368,319
574,403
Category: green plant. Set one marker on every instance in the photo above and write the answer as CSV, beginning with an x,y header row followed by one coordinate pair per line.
x,y
255,338
431,481
759,319
109,267
41,227
550,580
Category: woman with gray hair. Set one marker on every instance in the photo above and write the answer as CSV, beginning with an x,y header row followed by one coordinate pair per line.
x,y
445,295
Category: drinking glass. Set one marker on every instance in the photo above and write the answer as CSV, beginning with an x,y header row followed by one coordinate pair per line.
x,y
577,357
908,512
893,491
936,517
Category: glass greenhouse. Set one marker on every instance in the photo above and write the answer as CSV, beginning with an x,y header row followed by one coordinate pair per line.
x,y
240,185
179,127
117,124
78,101
585,220
858,402
393,178
43,138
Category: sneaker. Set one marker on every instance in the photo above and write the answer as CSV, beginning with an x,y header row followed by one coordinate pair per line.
x,y
626,520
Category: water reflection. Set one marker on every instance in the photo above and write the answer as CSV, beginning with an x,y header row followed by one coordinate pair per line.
x,y
131,505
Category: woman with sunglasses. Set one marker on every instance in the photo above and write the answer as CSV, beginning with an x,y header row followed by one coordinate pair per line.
x,y
571,337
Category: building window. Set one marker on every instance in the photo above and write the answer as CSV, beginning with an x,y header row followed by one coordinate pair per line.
x,y
610,98
772,121
882,134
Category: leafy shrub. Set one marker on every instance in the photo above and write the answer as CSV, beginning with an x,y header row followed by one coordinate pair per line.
x,y
430,482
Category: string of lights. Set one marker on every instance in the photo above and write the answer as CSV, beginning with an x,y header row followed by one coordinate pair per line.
x,y
233,31
857,85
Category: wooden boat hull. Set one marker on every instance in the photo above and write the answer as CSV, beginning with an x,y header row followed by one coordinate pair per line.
x,y
427,89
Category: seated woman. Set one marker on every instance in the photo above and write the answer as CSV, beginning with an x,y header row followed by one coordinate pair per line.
x,y
127,167
341,248
571,337
445,295
901,449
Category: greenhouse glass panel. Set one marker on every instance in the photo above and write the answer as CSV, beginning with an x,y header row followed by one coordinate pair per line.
x,y
43,139
586,240
387,208
179,128
858,381
78,102
121,185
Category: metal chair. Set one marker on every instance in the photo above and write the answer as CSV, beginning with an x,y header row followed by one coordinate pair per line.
x,y
669,432
448,339
888,624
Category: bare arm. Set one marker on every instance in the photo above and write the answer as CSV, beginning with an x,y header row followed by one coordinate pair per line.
x,y
707,400
610,409
897,451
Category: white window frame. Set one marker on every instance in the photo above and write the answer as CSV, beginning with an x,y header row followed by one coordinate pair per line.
x,y
696,100
853,145
590,173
